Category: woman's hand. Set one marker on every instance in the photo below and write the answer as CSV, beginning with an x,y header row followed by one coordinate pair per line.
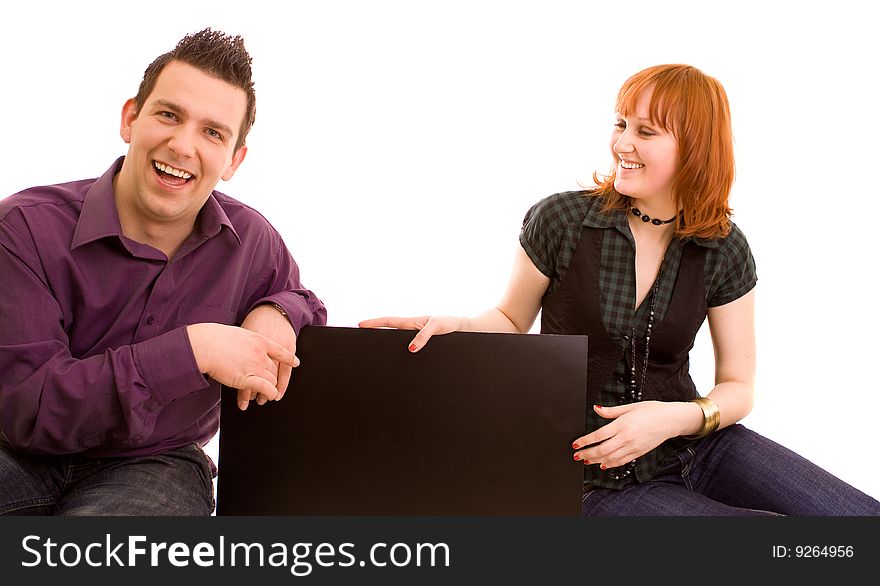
x,y
635,429
516,312
426,325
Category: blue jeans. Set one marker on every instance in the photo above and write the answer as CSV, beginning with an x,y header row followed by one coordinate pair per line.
x,y
177,482
734,472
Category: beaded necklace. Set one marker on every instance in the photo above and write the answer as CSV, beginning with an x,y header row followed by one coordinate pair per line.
x,y
646,218
636,384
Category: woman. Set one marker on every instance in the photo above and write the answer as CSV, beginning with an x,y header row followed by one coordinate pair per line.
x,y
637,264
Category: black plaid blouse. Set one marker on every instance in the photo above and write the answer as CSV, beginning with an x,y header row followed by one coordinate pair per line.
x,y
550,233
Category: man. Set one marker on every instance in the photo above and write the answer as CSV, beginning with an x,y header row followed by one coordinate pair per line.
x,y
119,298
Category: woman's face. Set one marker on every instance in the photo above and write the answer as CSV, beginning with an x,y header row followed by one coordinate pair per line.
x,y
646,155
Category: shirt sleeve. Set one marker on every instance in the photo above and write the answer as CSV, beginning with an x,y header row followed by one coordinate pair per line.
x,y
541,234
282,285
54,403
735,273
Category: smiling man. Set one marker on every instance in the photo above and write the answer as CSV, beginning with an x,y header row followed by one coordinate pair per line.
x,y
128,300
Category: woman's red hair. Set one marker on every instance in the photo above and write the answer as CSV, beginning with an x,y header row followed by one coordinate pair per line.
x,y
694,108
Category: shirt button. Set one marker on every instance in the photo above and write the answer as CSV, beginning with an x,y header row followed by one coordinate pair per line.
x,y
150,320
626,337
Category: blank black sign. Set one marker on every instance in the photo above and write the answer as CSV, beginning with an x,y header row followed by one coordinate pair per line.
x,y
473,424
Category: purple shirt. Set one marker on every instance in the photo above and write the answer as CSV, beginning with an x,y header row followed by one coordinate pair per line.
x,y
94,354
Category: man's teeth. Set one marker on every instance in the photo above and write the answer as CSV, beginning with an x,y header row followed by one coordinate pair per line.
x,y
172,171
628,165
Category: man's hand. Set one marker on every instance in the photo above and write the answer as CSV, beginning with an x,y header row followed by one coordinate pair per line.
x,y
240,358
267,320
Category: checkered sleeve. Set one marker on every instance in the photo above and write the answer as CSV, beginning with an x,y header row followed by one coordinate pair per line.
x,y
734,272
541,234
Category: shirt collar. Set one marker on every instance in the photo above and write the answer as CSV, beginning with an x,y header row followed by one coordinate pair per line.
x,y
99,218
596,218
212,218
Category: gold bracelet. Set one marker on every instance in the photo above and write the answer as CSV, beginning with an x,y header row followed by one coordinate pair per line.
x,y
279,308
711,417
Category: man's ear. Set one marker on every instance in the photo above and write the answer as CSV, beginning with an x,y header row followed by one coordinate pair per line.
x,y
237,159
129,114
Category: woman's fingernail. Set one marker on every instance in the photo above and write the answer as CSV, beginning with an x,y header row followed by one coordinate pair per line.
x,y
575,446
602,466
597,406
412,347
577,456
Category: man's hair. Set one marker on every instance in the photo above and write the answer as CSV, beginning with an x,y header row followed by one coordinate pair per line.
x,y
217,54
693,107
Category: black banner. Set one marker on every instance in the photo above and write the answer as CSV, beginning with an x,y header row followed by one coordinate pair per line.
x,y
429,550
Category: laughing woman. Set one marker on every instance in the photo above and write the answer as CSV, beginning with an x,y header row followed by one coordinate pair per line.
x,y
638,263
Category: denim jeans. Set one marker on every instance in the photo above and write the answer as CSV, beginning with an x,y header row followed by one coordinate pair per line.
x,y
177,482
734,472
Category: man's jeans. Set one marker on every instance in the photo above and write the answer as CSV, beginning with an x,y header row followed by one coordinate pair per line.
x,y
734,472
177,482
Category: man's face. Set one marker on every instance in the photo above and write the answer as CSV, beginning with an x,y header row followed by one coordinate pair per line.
x,y
181,144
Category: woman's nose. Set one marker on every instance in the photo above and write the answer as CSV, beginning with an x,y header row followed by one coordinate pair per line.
x,y
623,143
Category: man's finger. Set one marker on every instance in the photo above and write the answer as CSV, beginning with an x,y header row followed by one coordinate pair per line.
x,y
262,388
243,397
281,354
284,373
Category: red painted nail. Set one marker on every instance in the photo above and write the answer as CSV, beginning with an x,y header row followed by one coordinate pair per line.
x,y
602,466
577,456
575,446
597,406
586,461
412,347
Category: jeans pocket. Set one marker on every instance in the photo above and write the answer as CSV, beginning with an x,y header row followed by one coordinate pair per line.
x,y
209,471
203,457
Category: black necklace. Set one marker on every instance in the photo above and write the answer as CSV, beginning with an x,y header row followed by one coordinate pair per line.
x,y
647,218
636,385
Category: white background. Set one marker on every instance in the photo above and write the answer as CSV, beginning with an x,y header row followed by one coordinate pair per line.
x,y
398,145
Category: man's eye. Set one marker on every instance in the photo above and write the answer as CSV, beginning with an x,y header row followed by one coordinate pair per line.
x,y
168,115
